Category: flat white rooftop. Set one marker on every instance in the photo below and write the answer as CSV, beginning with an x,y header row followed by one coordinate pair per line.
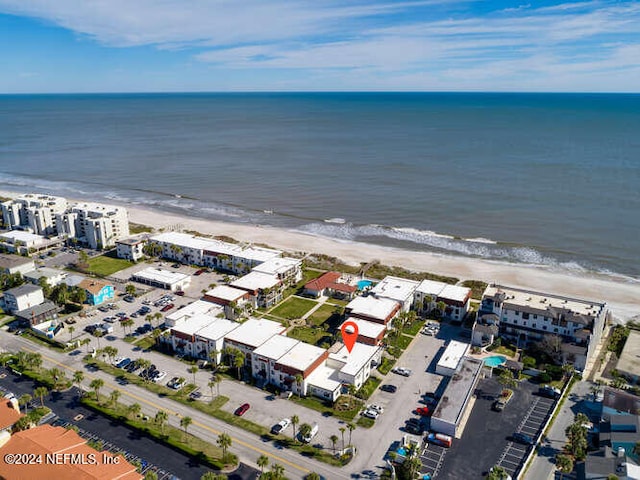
x,y
353,362
629,361
22,236
197,243
225,292
458,391
542,301
217,330
98,208
365,328
453,354
256,281
162,276
379,308
455,293
131,241
278,265
258,254
45,272
430,287
192,324
301,356
324,377
276,347
194,308
395,288
254,332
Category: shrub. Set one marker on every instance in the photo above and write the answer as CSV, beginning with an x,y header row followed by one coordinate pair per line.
x,y
544,378
529,362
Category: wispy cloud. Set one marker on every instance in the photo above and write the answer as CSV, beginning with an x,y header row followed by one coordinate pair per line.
x,y
411,44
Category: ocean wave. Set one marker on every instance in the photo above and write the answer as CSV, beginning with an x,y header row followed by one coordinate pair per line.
x,y
335,220
474,247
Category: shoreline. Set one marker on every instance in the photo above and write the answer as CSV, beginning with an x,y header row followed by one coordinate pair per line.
x,y
622,296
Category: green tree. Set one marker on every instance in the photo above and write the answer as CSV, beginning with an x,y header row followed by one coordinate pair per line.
x,y
78,295
351,427
193,370
333,439
24,400
184,423
128,323
213,476
150,475
98,334
161,419
113,397
71,330
506,379
96,384
299,380
312,476
564,463
342,430
238,362
305,430
295,420
133,410
40,392
130,289
78,377
83,260
277,471
263,461
224,442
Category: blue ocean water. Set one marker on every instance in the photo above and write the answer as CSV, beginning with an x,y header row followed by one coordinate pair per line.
x,y
548,179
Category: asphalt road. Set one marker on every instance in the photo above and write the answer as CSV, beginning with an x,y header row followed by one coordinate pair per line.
x,y
67,407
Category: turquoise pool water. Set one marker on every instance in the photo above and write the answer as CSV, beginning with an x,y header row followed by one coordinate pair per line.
x,y
494,361
401,451
362,284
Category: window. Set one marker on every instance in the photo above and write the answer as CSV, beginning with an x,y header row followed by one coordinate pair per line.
x,y
555,330
544,327
515,322
535,316
516,313
525,315
534,325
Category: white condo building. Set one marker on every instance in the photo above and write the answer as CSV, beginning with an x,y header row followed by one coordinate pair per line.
x,y
34,212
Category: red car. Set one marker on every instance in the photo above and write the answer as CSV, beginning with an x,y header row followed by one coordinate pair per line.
x,y
424,411
167,307
242,409
200,272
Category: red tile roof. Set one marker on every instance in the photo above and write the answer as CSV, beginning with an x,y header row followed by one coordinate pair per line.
x,y
323,281
8,414
342,287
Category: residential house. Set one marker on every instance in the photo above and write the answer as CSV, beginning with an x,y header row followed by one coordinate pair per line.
x,y
398,289
24,296
38,314
130,248
369,333
373,309
11,264
97,291
330,284
9,413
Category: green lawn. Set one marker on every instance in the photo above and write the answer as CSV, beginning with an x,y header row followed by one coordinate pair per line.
x,y
321,315
386,365
403,341
413,328
346,407
503,350
294,307
309,335
105,265
365,422
368,388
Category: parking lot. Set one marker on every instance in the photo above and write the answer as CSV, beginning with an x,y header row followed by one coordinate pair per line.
x,y
487,435
432,459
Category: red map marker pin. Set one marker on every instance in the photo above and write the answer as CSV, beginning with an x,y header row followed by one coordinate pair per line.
x,y
349,334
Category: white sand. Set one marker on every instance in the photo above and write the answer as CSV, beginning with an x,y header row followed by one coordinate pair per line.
x,y
623,295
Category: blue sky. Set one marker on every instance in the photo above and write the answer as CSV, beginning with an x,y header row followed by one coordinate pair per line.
x,y
299,45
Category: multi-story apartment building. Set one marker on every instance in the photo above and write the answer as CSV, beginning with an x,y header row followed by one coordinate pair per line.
x,y
34,212
99,226
526,316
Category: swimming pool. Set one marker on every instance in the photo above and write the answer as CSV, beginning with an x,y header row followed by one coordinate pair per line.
x,y
402,451
362,284
494,361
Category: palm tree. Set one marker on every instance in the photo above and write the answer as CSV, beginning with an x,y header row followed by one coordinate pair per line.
x,y
40,392
305,430
333,439
184,423
130,289
497,473
150,475
295,420
277,471
299,380
24,400
238,362
144,365
564,463
193,370
506,379
96,384
351,427
161,418
71,330
133,409
86,341
213,356
312,476
263,461
78,377
128,323
342,430
217,379
98,334
113,397
224,442
211,385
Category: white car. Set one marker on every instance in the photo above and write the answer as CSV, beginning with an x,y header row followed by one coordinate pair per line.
x,y
159,376
405,372
281,426
376,408
370,414
117,360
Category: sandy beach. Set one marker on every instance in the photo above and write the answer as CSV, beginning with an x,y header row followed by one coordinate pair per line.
x,y
623,295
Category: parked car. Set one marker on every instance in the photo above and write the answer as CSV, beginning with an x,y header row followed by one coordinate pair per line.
x,y
389,388
200,272
196,394
414,427
242,409
129,298
368,413
375,407
167,307
405,372
522,438
176,383
498,405
424,411
549,392
312,433
123,363
180,293
158,376
202,363
281,426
